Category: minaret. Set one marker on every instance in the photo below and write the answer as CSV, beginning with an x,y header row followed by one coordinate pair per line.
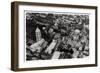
x,y
38,34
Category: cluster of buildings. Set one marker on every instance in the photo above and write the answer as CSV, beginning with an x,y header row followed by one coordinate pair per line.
x,y
40,42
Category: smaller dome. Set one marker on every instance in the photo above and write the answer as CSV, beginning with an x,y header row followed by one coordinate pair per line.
x,y
77,31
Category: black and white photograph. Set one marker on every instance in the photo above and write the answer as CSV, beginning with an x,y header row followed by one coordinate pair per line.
x,y
53,36
56,35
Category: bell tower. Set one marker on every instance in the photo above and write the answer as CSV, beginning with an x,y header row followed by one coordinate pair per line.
x,y
38,34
